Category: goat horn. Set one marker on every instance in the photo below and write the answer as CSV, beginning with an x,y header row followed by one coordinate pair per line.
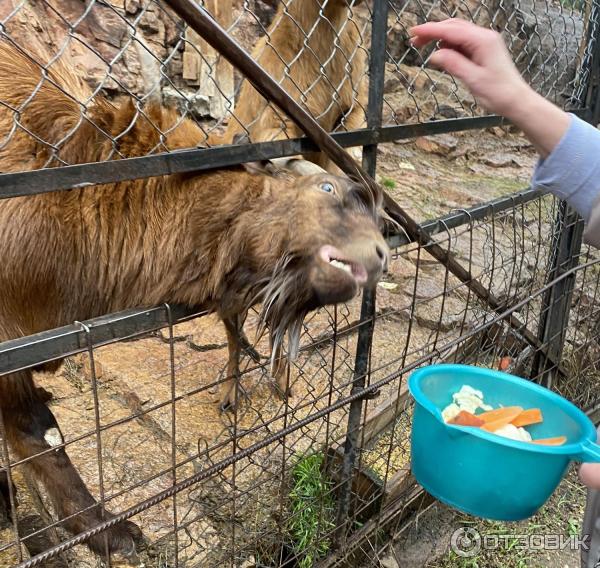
x,y
298,166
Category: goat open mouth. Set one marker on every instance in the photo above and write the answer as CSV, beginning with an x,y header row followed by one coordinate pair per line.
x,y
338,260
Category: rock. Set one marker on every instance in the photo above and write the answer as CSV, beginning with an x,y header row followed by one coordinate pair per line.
x,y
429,288
250,562
499,131
151,23
187,100
105,56
107,26
442,144
500,160
392,83
420,82
132,6
447,111
548,38
98,368
398,46
400,268
402,115
388,562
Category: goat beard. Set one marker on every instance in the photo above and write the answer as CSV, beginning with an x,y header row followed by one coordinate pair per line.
x,y
286,299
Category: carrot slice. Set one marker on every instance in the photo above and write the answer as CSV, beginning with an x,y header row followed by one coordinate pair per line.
x,y
502,417
528,417
558,441
499,413
504,363
464,418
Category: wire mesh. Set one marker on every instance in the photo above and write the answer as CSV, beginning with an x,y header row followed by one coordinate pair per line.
x,y
139,417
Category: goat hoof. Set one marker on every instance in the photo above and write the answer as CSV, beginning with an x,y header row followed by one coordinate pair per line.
x,y
226,406
283,394
229,403
249,349
253,353
123,540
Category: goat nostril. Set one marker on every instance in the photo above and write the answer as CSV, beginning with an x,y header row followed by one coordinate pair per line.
x,y
380,253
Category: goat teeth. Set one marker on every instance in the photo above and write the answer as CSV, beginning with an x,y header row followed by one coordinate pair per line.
x,y
343,265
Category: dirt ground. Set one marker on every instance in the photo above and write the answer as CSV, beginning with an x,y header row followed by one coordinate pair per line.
x,y
426,543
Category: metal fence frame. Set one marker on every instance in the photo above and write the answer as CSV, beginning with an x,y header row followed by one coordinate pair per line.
x,y
47,346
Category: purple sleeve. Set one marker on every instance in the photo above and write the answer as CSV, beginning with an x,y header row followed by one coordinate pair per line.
x,y
572,170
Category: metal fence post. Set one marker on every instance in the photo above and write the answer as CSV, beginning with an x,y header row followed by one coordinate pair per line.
x,y
368,307
556,304
564,255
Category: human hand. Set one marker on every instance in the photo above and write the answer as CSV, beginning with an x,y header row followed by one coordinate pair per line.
x,y
589,474
479,58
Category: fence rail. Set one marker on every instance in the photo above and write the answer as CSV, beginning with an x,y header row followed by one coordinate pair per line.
x,y
136,406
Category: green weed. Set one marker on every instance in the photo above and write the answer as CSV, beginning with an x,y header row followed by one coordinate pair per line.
x,y
388,182
312,510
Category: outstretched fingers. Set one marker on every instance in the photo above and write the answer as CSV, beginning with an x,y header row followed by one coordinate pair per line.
x,y
457,34
455,63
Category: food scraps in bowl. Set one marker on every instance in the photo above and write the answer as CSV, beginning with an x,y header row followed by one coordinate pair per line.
x,y
506,421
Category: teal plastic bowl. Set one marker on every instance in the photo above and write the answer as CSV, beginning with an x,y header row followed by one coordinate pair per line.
x,y
483,474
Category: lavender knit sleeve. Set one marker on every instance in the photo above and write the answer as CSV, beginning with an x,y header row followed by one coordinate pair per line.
x,y
572,170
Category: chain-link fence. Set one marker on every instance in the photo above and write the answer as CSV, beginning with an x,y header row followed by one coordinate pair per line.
x,y
299,478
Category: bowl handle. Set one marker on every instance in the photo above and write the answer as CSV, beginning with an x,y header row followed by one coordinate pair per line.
x,y
590,452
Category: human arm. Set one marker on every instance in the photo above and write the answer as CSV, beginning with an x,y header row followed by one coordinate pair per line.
x,y
569,148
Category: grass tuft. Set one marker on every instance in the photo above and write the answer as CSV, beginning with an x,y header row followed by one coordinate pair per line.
x,y
388,182
312,510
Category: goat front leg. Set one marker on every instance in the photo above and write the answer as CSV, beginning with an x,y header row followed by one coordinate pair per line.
x,y
31,429
245,344
6,512
231,384
279,371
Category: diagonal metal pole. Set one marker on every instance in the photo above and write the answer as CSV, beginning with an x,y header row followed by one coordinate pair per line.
x,y
203,23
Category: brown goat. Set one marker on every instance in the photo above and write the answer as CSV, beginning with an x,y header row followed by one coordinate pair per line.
x,y
221,240
313,48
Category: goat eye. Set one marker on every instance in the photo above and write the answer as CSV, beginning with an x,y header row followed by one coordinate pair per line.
x,y
327,187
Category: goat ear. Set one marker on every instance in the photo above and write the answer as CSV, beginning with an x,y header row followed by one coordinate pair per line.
x,y
262,167
267,168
